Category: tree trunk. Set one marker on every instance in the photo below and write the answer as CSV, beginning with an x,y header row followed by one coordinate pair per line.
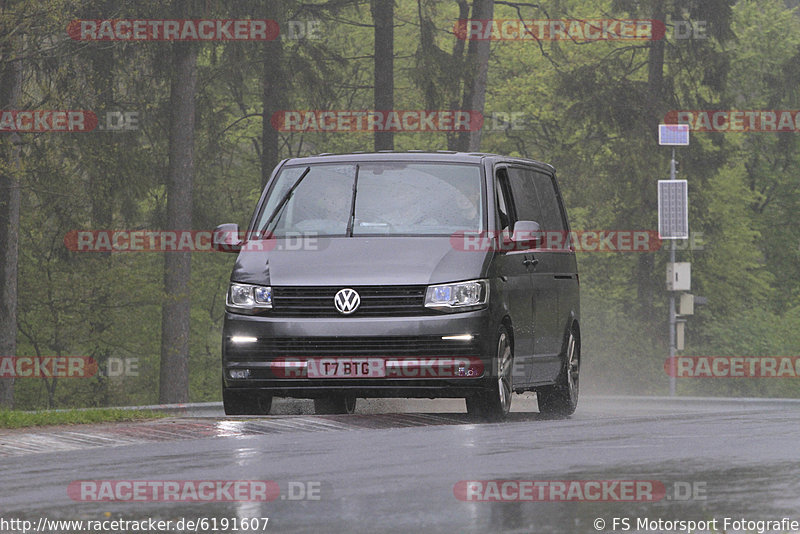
x,y
174,376
273,85
458,57
476,75
101,188
10,89
655,87
383,18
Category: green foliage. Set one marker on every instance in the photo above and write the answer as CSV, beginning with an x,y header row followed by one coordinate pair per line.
x,y
587,108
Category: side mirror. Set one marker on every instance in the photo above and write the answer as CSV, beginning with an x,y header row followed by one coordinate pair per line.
x,y
226,238
527,234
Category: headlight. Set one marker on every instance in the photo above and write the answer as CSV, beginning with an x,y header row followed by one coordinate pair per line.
x,y
461,296
247,297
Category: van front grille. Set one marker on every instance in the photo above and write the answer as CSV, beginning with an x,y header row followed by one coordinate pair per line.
x,y
376,301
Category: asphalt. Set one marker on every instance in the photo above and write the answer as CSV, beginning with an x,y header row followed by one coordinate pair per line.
x,y
397,466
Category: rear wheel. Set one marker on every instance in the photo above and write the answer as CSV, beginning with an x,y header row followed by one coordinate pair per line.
x,y
335,404
245,403
561,399
495,403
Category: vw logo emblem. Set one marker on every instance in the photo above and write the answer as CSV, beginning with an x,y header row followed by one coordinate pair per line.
x,y
346,301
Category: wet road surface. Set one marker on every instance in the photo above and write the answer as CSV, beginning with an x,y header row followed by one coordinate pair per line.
x,y
396,472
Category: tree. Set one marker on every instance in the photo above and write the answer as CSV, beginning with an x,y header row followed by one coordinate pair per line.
x,y
476,75
175,311
383,17
438,74
273,84
10,88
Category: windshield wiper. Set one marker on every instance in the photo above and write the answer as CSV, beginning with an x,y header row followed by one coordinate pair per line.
x,y
352,219
284,200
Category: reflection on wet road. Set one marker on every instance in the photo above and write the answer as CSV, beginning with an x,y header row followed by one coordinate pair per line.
x,y
396,472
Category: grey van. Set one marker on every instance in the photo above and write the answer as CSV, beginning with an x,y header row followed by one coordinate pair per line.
x,y
403,274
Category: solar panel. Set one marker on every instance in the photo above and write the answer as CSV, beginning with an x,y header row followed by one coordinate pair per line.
x,y
673,209
673,134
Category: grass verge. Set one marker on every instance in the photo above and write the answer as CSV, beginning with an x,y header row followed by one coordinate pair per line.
x,y
21,419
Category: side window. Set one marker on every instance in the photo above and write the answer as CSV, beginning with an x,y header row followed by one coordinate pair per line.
x,y
526,202
552,218
530,195
505,209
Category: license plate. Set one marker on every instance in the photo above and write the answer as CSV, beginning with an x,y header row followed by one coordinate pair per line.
x,y
346,368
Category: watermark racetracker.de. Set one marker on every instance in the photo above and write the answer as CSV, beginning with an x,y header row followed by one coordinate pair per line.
x,y
559,30
737,121
173,30
47,367
578,490
348,121
733,366
196,491
186,241
641,241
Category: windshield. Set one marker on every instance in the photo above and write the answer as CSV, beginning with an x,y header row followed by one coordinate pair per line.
x,y
391,198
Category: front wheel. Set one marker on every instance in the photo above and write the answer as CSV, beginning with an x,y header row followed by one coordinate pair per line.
x,y
561,399
495,403
335,404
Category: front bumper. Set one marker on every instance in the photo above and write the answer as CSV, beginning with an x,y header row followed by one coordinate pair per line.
x,y
401,342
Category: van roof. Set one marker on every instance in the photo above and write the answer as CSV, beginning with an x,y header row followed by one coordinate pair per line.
x,y
444,156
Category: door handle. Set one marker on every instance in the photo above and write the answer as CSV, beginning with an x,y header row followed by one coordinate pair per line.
x,y
528,262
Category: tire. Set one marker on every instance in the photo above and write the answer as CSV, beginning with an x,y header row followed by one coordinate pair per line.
x,y
245,403
495,403
335,404
561,399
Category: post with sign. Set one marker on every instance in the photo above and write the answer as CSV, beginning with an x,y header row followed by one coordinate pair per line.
x,y
673,223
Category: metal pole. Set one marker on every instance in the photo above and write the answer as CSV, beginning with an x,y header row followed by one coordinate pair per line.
x,y
672,321
672,316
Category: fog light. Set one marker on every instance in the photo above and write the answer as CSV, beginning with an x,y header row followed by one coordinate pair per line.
x,y
243,339
460,337
239,373
471,369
